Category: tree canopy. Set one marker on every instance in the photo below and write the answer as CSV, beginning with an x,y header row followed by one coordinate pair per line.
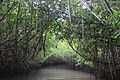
x,y
91,28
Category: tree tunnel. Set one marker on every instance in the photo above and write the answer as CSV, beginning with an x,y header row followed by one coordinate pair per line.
x,y
83,34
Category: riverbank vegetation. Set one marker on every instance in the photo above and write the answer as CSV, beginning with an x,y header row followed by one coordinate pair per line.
x,y
71,31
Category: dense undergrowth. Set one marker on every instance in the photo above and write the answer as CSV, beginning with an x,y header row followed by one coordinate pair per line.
x,y
63,31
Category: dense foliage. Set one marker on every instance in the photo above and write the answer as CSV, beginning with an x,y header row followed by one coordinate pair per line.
x,y
89,32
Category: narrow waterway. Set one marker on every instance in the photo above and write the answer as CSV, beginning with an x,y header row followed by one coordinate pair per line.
x,y
54,73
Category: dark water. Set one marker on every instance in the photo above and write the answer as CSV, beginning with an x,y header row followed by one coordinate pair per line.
x,y
53,73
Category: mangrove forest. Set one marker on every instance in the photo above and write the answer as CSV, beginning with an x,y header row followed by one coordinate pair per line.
x,y
59,39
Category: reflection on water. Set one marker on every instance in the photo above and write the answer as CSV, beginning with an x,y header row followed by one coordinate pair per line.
x,y
54,73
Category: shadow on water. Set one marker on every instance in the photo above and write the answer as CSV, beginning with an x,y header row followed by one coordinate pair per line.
x,y
58,72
